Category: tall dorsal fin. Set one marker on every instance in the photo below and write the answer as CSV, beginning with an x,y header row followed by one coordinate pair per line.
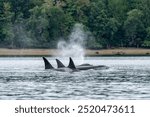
x,y
59,64
47,64
71,64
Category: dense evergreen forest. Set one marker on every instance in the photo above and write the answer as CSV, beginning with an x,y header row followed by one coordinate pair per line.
x,y
41,23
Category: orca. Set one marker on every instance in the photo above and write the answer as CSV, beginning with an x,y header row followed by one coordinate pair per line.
x,y
72,67
87,66
61,67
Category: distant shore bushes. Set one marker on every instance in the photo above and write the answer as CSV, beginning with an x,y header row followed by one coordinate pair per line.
x,y
42,23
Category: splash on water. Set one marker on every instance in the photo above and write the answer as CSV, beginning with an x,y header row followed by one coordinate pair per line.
x,y
74,47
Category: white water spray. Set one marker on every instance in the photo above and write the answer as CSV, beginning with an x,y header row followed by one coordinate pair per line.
x,y
74,47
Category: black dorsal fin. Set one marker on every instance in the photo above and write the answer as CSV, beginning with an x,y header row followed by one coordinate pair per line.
x,y
59,64
47,64
71,64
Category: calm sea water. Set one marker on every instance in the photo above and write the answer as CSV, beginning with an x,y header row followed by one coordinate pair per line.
x,y
25,78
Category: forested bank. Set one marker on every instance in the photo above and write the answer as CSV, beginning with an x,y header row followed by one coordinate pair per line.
x,y
42,23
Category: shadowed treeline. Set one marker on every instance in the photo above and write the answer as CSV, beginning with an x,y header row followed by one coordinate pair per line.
x,y
42,23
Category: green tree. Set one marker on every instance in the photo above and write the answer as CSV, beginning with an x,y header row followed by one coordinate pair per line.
x,y
97,21
111,30
6,25
143,5
1,22
20,7
131,4
118,9
48,23
76,9
146,42
37,26
134,28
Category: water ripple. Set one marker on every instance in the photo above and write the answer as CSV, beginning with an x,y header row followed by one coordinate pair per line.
x,y
26,79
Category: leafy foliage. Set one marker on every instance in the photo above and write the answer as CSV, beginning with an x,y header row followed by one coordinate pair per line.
x,y
41,23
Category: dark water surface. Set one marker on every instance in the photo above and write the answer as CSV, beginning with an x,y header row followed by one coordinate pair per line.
x,y
25,78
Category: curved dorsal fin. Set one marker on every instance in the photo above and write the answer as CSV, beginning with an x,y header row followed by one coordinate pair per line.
x,y
59,64
71,64
47,64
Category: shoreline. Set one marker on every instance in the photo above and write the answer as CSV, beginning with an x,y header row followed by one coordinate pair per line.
x,y
54,52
